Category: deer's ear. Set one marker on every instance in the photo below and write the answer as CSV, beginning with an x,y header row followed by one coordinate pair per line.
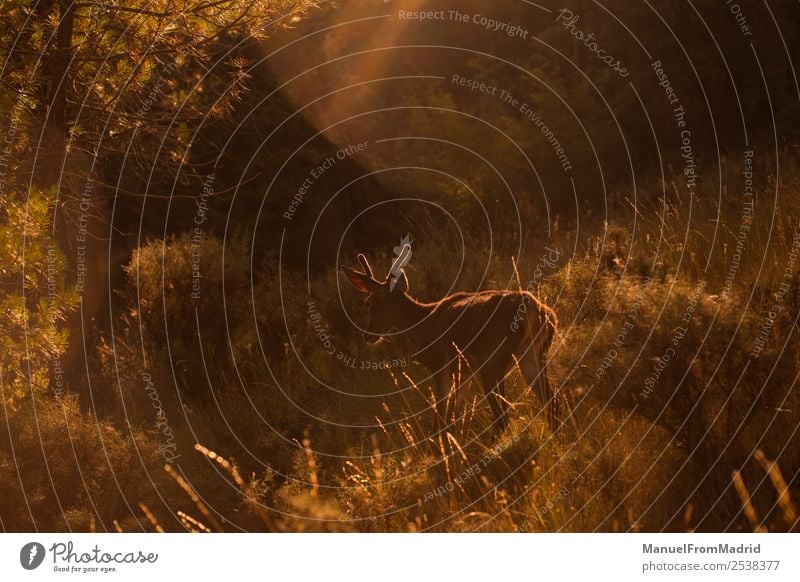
x,y
360,281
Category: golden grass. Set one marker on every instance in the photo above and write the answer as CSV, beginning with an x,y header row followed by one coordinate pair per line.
x,y
189,490
151,517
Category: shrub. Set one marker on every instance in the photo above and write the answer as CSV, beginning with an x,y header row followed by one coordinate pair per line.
x,y
64,469
34,296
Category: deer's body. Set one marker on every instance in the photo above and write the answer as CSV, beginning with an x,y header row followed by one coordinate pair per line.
x,y
491,329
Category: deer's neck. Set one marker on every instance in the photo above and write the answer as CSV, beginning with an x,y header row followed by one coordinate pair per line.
x,y
412,313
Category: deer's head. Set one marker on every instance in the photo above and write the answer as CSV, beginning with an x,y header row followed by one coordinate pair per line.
x,y
385,299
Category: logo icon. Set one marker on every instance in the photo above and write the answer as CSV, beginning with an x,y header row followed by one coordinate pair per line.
x,y
402,254
31,555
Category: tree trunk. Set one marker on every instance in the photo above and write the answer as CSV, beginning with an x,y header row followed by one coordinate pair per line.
x,y
51,155
80,239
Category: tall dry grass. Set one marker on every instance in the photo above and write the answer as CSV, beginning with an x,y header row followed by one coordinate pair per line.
x,y
705,440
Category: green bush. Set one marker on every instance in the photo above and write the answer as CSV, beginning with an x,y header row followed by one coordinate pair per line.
x,y
34,297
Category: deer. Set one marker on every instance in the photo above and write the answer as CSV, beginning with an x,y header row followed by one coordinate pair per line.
x,y
478,326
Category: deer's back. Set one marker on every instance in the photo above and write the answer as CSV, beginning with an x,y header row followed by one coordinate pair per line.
x,y
486,326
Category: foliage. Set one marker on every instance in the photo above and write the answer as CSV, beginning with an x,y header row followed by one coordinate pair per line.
x,y
62,469
679,419
130,78
35,297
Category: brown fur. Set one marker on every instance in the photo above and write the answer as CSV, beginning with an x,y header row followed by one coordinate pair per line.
x,y
491,329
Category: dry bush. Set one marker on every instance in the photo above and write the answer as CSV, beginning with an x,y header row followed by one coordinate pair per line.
x,y
63,469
